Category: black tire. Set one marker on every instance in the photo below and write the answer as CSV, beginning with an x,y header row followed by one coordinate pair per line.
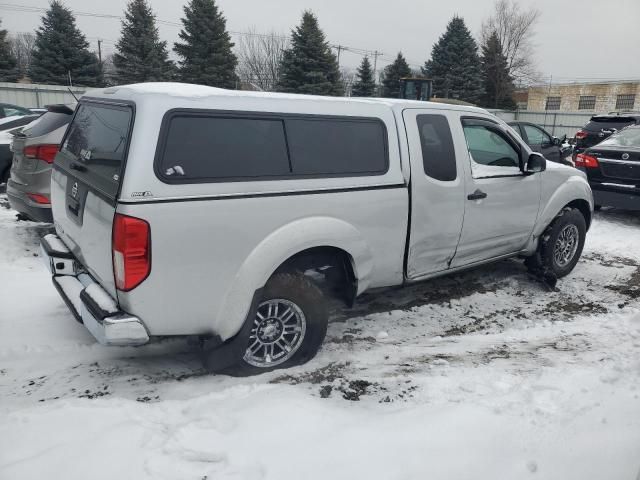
x,y
567,218
307,296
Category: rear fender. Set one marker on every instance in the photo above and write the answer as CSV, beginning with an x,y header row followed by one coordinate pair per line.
x,y
279,246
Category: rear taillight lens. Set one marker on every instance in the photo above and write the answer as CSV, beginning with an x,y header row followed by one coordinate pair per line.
x,y
38,198
586,161
131,245
581,134
45,153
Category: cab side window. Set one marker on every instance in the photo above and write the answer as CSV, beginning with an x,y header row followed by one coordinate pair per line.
x,y
488,148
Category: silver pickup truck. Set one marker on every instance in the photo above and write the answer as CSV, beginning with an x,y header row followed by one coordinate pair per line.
x,y
231,216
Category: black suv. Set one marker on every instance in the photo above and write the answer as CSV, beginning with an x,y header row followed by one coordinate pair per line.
x,y
600,127
613,169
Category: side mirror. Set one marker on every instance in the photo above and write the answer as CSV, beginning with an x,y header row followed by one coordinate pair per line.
x,y
556,141
536,163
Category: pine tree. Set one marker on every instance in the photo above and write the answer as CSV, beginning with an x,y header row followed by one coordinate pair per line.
x,y
62,51
498,84
140,55
308,65
206,56
9,70
365,85
455,66
392,75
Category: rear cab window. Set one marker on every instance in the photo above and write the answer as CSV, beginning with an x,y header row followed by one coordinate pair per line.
x,y
438,155
95,145
203,147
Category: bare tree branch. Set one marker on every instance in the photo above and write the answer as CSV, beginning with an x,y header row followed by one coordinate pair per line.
x,y
515,30
22,45
259,58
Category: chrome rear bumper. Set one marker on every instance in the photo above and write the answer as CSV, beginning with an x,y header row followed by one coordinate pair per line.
x,y
87,300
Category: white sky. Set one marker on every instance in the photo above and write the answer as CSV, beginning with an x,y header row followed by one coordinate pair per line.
x,y
581,40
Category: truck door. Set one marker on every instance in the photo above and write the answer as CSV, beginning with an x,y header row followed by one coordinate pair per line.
x,y
501,203
437,190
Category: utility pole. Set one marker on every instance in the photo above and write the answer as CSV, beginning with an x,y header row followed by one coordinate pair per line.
x,y
376,54
339,47
100,52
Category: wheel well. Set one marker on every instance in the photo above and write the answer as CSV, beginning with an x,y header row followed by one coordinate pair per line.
x,y
584,208
331,267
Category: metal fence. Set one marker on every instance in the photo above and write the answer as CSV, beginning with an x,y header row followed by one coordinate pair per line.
x,y
556,123
36,95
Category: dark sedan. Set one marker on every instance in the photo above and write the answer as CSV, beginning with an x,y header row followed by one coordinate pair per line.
x,y
613,169
542,142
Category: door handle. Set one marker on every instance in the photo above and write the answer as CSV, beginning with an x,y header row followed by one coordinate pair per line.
x,y
477,195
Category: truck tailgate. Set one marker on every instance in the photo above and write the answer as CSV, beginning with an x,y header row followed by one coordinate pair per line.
x,y
85,184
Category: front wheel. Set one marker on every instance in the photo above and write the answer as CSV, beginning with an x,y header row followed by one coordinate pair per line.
x,y
288,328
563,242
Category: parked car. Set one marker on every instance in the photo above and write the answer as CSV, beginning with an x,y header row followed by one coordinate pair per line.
x,y
28,188
190,210
600,127
6,155
553,148
8,128
613,169
38,110
8,110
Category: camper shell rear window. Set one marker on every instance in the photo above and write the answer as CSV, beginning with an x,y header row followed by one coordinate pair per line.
x,y
95,145
213,146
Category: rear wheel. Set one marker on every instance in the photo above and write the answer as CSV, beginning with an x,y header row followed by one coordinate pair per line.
x,y
288,328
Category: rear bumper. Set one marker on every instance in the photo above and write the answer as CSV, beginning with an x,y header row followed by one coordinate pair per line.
x,y
625,199
20,202
86,299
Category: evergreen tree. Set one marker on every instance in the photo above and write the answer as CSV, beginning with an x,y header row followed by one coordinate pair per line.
x,y
206,56
498,84
308,65
455,66
392,75
9,70
62,51
140,55
365,86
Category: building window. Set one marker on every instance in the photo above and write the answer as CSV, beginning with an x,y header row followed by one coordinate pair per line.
x,y
625,102
553,103
587,102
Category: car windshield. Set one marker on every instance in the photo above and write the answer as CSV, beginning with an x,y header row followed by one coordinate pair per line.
x,y
629,137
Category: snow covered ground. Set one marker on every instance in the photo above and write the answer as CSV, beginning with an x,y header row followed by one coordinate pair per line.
x,y
480,375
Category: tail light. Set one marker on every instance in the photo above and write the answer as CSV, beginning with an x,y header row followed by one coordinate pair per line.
x,y
131,245
45,153
581,134
586,161
39,198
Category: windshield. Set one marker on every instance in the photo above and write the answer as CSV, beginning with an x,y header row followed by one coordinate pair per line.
x,y
629,137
